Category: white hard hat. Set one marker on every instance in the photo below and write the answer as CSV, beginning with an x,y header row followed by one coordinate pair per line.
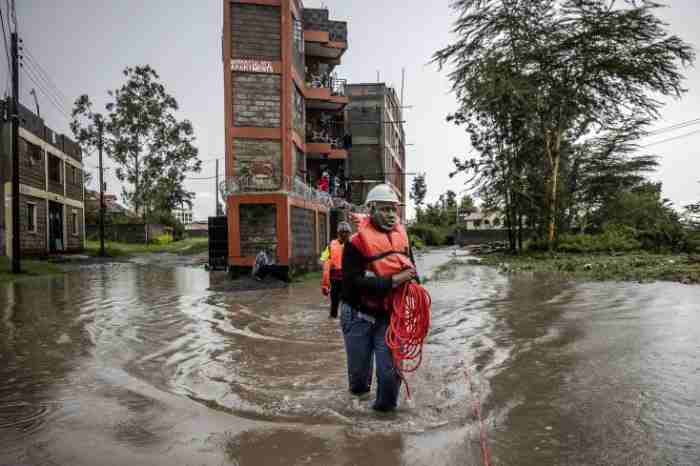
x,y
382,193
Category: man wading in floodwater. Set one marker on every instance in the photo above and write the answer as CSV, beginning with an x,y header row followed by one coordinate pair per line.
x,y
332,258
376,261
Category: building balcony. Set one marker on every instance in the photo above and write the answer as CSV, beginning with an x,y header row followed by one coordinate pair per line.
x,y
325,92
324,38
329,141
292,186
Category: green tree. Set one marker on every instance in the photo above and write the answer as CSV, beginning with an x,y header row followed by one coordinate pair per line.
x,y
572,66
418,190
152,148
655,222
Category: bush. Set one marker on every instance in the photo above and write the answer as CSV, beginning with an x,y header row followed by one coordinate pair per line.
x,y
416,242
429,234
162,240
614,238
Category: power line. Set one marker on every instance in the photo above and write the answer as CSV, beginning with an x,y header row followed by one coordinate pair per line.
x,y
671,139
48,95
47,84
677,126
46,77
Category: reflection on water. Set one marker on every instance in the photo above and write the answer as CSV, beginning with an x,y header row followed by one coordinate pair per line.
x,y
143,365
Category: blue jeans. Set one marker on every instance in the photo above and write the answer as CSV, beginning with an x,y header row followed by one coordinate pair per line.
x,y
364,339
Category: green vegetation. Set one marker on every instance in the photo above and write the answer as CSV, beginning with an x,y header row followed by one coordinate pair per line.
x,y
30,268
556,124
637,266
191,246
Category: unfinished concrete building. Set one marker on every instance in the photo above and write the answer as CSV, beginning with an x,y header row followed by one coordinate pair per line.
x,y
378,153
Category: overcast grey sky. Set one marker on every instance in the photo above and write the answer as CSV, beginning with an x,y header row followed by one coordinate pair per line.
x,y
85,44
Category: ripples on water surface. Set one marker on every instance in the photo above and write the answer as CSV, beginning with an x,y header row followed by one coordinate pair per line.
x,y
141,364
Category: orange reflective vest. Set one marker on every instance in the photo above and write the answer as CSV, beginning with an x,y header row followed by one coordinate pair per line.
x,y
333,267
386,254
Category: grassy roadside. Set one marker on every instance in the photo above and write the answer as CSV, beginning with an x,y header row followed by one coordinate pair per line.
x,y
190,246
632,266
30,268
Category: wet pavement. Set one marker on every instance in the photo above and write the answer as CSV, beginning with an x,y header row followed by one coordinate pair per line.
x,y
145,363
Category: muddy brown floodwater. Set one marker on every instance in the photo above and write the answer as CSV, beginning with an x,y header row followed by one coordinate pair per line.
x,y
144,364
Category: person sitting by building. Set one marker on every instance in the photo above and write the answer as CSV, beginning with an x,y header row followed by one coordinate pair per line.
x,y
264,265
332,258
376,261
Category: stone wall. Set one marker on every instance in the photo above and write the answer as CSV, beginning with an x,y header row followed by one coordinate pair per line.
x,y
256,100
74,242
258,229
469,237
124,233
256,31
32,243
303,233
261,160
32,171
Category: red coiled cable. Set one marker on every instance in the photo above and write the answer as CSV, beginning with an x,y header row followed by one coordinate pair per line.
x,y
410,321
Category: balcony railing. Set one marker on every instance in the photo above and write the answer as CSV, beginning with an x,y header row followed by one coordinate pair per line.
x,y
328,132
293,186
335,84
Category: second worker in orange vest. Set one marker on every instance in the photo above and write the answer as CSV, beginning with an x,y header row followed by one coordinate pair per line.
x,y
332,257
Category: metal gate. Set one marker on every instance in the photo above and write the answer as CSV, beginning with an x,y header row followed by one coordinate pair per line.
x,y
218,243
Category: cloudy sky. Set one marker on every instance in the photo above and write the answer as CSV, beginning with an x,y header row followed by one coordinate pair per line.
x,y
83,45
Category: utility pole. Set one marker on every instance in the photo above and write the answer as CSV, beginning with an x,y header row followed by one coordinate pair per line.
x,y
216,189
16,268
100,144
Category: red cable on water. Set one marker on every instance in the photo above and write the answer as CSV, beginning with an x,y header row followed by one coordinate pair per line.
x,y
483,440
410,321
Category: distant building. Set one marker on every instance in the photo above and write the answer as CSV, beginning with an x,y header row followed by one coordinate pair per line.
x,y
112,205
378,153
483,220
51,188
184,216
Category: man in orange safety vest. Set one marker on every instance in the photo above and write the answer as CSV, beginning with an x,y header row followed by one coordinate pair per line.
x,y
332,258
377,260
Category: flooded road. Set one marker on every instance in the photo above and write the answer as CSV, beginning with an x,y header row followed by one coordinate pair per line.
x,y
144,364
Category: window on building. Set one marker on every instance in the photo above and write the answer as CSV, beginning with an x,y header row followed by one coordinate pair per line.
x,y
74,174
31,153
54,169
74,223
31,217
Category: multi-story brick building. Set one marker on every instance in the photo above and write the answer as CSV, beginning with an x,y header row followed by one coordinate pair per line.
x,y
51,189
378,154
284,108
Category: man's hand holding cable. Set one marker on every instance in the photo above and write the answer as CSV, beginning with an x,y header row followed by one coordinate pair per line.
x,y
402,277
